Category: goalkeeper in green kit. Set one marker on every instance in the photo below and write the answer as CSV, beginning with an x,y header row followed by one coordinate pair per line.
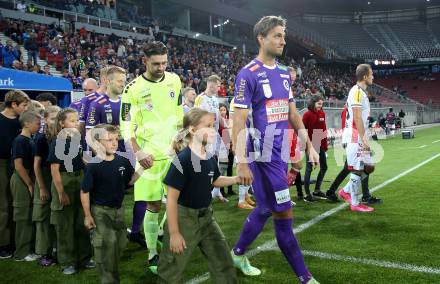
x,y
151,114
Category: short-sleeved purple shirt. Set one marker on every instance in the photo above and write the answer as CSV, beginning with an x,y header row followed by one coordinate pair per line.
x,y
265,91
85,104
103,110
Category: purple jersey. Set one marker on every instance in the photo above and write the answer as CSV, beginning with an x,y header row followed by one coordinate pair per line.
x,y
103,110
85,103
76,106
265,91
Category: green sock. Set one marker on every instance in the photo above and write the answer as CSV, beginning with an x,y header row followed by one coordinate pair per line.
x,y
151,229
162,223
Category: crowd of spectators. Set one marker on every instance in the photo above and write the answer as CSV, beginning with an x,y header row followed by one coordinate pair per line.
x,y
98,8
85,52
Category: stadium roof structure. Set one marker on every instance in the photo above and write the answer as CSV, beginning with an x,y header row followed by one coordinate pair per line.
x,y
342,6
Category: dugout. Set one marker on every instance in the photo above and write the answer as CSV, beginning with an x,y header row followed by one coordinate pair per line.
x,y
34,84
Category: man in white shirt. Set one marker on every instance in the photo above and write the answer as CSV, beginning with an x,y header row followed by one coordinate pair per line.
x,y
355,136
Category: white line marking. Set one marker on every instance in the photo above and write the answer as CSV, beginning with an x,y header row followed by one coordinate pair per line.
x,y
381,263
436,141
270,245
423,146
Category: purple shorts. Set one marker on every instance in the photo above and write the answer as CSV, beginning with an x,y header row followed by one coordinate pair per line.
x,y
270,185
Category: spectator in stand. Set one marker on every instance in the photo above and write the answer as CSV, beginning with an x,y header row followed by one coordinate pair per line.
x,y
17,65
47,70
197,85
21,6
9,54
37,69
222,90
77,83
32,48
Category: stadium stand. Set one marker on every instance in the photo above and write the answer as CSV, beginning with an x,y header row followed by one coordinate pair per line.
x,y
422,88
352,39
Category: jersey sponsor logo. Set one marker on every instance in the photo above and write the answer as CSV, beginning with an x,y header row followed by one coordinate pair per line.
x,y
91,116
285,76
277,110
286,85
265,81
145,93
125,111
282,196
109,117
267,91
255,67
262,74
241,87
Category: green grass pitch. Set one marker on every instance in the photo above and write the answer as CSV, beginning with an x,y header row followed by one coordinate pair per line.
x,y
405,229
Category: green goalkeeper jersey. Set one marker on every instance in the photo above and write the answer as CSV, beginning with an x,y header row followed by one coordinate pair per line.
x,y
152,113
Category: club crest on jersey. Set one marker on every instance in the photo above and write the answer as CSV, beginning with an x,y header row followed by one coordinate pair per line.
x,y
121,170
149,105
267,91
286,85
172,94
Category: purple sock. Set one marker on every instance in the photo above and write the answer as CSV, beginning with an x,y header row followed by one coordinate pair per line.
x,y
252,227
138,216
290,248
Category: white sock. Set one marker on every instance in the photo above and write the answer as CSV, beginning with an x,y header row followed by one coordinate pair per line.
x,y
242,190
347,187
355,179
216,192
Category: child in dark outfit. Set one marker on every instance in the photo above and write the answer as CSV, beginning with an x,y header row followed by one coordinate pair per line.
x,y
22,185
191,224
102,193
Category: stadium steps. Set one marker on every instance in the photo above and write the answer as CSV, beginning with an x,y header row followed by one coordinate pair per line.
x,y
401,46
24,54
373,36
433,36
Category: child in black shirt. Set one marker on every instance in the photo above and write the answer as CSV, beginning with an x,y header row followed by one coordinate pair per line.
x,y
102,192
44,233
22,185
66,166
191,224
15,103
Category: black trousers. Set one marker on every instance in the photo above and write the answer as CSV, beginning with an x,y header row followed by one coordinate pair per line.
x,y
342,175
229,172
321,174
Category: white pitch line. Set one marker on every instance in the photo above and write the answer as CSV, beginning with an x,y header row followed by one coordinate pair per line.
x,y
436,141
270,245
380,263
423,146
